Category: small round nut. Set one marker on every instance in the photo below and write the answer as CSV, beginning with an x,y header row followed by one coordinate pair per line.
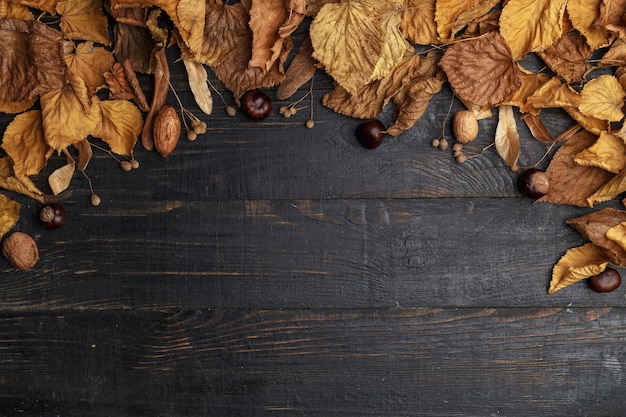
x,y
20,250
464,126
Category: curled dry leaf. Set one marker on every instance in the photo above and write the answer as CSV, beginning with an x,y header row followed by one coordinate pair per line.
x,y
475,15
531,25
120,126
85,152
608,153
123,84
536,127
611,189
583,14
159,96
577,264
9,214
481,70
300,70
571,183
338,33
529,85
553,94
594,227
133,42
61,178
10,10
447,13
568,57
507,138
418,22
603,98
197,79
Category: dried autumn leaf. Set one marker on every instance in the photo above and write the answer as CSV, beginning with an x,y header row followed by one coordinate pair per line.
x,y
9,214
191,22
197,79
90,63
571,183
31,60
25,143
471,15
554,94
591,124
20,184
61,178
123,84
447,13
594,227
608,153
481,70
577,264
583,14
603,98
418,22
133,42
615,56
120,126
84,20
85,152
507,138
568,57
45,5
611,13
10,10
530,84
611,189
536,127
338,32
531,25
65,120
370,99
617,234
300,70
411,103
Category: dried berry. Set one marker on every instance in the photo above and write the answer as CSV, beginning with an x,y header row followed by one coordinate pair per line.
x,y
52,216
20,250
606,281
370,133
256,104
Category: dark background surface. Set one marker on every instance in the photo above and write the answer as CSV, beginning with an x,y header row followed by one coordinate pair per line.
x,y
271,269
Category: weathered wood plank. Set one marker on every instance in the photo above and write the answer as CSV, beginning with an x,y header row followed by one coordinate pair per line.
x,y
392,362
301,254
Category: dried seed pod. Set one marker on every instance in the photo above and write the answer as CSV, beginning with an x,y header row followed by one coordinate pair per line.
x,y
166,130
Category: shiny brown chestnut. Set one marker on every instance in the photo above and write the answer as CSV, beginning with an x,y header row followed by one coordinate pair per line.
x,y
606,281
370,133
533,183
52,216
256,104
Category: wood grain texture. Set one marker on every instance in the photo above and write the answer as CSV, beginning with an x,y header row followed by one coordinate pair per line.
x,y
301,254
392,362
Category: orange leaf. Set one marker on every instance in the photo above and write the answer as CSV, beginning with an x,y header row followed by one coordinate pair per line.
x,y
25,143
577,264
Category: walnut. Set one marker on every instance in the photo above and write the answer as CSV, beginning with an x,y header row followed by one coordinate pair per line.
x,y
166,130
20,250
465,126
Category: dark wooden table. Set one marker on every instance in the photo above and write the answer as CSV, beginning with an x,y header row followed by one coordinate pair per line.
x,y
271,269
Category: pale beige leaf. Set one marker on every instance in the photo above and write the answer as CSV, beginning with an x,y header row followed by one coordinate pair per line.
x,y
197,78
61,178
577,264
531,25
603,98
507,138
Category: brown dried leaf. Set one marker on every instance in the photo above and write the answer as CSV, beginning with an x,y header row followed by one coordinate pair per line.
x,y
90,63
537,128
9,214
25,143
583,14
84,20
418,22
123,84
85,152
611,189
577,264
370,99
10,10
120,126
611,13
481,70
591,124
615,56
554,94
603,98
133,42
530,84
571,183
473,15
45,5
568,57
197,79
447,13
338,32
300,70
190,14
31,60
531,25
594,227
410,104
266,16
507,138
617,234
608,153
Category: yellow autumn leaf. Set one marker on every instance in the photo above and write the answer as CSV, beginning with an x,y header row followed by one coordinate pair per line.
x,y
120,126
603,98
531,25
358,42
65,120
84,20
608,191
554,94
507,138
591,124
583,14
418,22
19,184
90,63
45,5
10,10
530,84
197,79
608,153
447,13
617,234
577,264
9,214
25,143
191,22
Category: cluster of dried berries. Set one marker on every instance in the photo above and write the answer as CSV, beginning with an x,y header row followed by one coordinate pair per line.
x,y
378,52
